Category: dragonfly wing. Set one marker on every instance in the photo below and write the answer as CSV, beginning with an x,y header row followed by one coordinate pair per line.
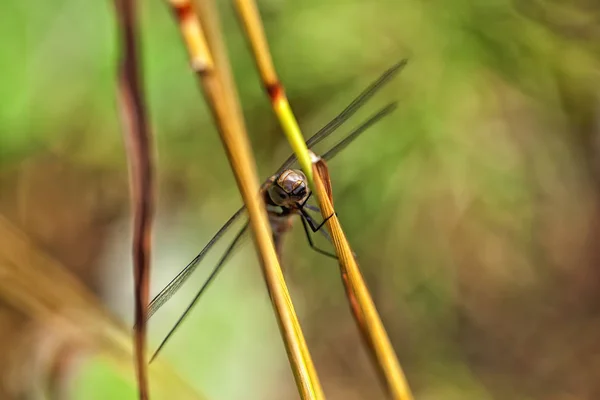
x,y
210,279
183,276
357,131
173,286
362,98
348,111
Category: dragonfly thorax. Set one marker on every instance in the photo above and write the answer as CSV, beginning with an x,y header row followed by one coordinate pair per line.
x,y
289,189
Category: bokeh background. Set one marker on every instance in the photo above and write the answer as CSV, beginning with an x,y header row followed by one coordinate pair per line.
x,y
474,209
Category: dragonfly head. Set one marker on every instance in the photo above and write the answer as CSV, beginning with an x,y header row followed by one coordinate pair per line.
x,y
289,189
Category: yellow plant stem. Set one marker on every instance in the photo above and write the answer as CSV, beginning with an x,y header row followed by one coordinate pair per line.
x,y
358,294
294,135
250,18
201,34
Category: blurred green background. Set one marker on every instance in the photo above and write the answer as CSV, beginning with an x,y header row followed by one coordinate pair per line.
x,y
474,209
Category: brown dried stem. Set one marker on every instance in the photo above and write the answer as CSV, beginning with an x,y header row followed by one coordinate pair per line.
x,y
139,151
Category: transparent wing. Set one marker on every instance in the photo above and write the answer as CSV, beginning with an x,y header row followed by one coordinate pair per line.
x,y
331,153
211,277
342,117
164,295
173,286
360,129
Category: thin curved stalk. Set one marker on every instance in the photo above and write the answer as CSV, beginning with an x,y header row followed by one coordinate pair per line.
x,y
139,155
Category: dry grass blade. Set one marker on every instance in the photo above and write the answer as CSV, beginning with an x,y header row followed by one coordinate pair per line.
x,y
201,34
359,297
250,18
41,289
138,141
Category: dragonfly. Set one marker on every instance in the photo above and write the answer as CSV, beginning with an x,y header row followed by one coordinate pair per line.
x,y
286,194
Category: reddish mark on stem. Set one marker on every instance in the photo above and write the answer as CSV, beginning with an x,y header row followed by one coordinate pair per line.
x,y
275,91
183,10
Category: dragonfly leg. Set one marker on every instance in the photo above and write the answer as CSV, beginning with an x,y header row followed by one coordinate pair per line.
x,y
311,222
311,243
312,208
305,200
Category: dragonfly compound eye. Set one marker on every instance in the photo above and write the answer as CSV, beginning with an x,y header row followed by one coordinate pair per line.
x,y
300,191
278,195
